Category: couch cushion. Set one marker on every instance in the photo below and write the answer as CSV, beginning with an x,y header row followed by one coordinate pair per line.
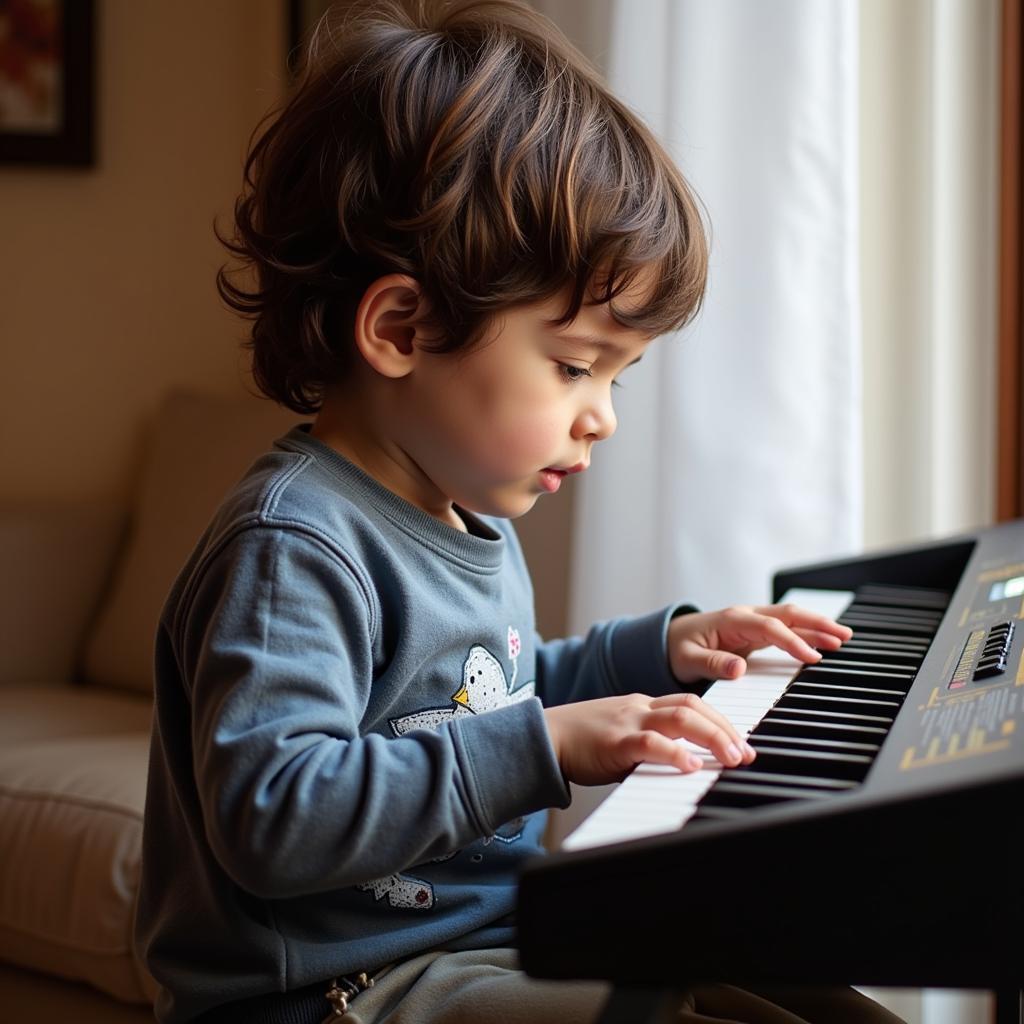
x,y
70,843
30,996
201,445
56,561
40,711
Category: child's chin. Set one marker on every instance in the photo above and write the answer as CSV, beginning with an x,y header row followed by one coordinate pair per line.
x,y
504,507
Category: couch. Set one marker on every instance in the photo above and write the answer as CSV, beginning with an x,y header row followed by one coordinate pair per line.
x,y
81,589
80,594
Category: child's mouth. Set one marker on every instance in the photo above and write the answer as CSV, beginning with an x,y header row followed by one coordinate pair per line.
x,y
551,479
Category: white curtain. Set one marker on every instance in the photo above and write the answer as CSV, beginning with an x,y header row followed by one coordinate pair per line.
x,y
929,242
738,449
741,445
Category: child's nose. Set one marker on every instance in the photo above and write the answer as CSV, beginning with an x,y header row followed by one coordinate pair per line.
x,y
596,422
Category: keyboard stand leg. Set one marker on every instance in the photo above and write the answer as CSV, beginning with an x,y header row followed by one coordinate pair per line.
x,y
641,1006
1009,1006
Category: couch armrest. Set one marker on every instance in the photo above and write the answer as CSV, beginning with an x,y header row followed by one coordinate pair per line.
x,y
56,561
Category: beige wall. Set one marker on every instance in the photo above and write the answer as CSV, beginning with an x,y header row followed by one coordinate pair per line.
x,y
107,273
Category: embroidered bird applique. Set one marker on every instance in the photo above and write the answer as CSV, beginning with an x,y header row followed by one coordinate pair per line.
x,y
484,688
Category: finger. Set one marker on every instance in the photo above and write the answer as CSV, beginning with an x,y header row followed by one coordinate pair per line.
x,y
652,747
776,633
701,724
709,663
794,615
816,638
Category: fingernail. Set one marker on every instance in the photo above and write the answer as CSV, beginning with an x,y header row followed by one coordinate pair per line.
x,y
733,751
694,762
751,752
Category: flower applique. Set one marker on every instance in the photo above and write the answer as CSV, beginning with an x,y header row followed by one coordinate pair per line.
x,y
402,891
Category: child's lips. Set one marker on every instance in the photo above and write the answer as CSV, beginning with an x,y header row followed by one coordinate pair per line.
x,y
551,478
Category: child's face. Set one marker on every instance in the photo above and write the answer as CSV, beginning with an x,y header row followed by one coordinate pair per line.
x,y
495,428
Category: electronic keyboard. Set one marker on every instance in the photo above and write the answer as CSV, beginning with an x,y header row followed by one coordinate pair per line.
x,y
875,839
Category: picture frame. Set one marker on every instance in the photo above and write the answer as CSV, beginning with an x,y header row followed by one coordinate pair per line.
x,y
47,73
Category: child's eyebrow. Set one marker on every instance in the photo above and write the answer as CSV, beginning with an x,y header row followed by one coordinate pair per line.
x,y
594,341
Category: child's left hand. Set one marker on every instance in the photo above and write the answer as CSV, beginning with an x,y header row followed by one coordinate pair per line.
x,y
715,645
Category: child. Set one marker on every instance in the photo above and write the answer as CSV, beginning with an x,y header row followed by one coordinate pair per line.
x,y
460,241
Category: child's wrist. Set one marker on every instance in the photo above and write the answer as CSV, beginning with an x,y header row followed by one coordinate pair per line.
x,y
554,733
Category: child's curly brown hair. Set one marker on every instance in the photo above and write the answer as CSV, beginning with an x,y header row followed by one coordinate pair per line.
x,y
469,145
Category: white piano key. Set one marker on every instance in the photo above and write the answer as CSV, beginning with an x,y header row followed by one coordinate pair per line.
x,y
655,799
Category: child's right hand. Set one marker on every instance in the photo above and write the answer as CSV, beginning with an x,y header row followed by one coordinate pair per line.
x,y
600,741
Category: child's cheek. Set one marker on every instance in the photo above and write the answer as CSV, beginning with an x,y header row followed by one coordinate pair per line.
x,y
519,431
529,445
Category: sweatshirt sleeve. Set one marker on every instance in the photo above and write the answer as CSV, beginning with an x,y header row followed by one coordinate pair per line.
x,y
626,655
275,648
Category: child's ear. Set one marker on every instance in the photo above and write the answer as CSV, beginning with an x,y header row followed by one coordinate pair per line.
x,y
390,318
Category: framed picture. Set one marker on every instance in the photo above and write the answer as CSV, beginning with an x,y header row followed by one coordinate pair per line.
x,y
46,81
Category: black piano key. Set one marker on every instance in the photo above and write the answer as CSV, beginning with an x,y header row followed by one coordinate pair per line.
x,y
894,690
769,739
914,597
871,636
719,813
909,644
906,665
910,660
849,673
821,688
872,659
886,615
896,685
878,648
852,669
896,607
886,627
837,716
897,616
809,728
793,761
852,705
727,795
798,781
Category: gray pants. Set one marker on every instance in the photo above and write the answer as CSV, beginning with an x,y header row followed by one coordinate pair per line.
x,y
487,987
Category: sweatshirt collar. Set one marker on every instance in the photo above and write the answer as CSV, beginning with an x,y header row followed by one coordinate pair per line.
x,y
482,546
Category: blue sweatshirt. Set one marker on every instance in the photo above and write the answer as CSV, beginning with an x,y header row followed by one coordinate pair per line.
x,y
349,760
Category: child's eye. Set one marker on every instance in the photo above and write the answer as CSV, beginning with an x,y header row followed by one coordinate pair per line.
x,y
570,374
